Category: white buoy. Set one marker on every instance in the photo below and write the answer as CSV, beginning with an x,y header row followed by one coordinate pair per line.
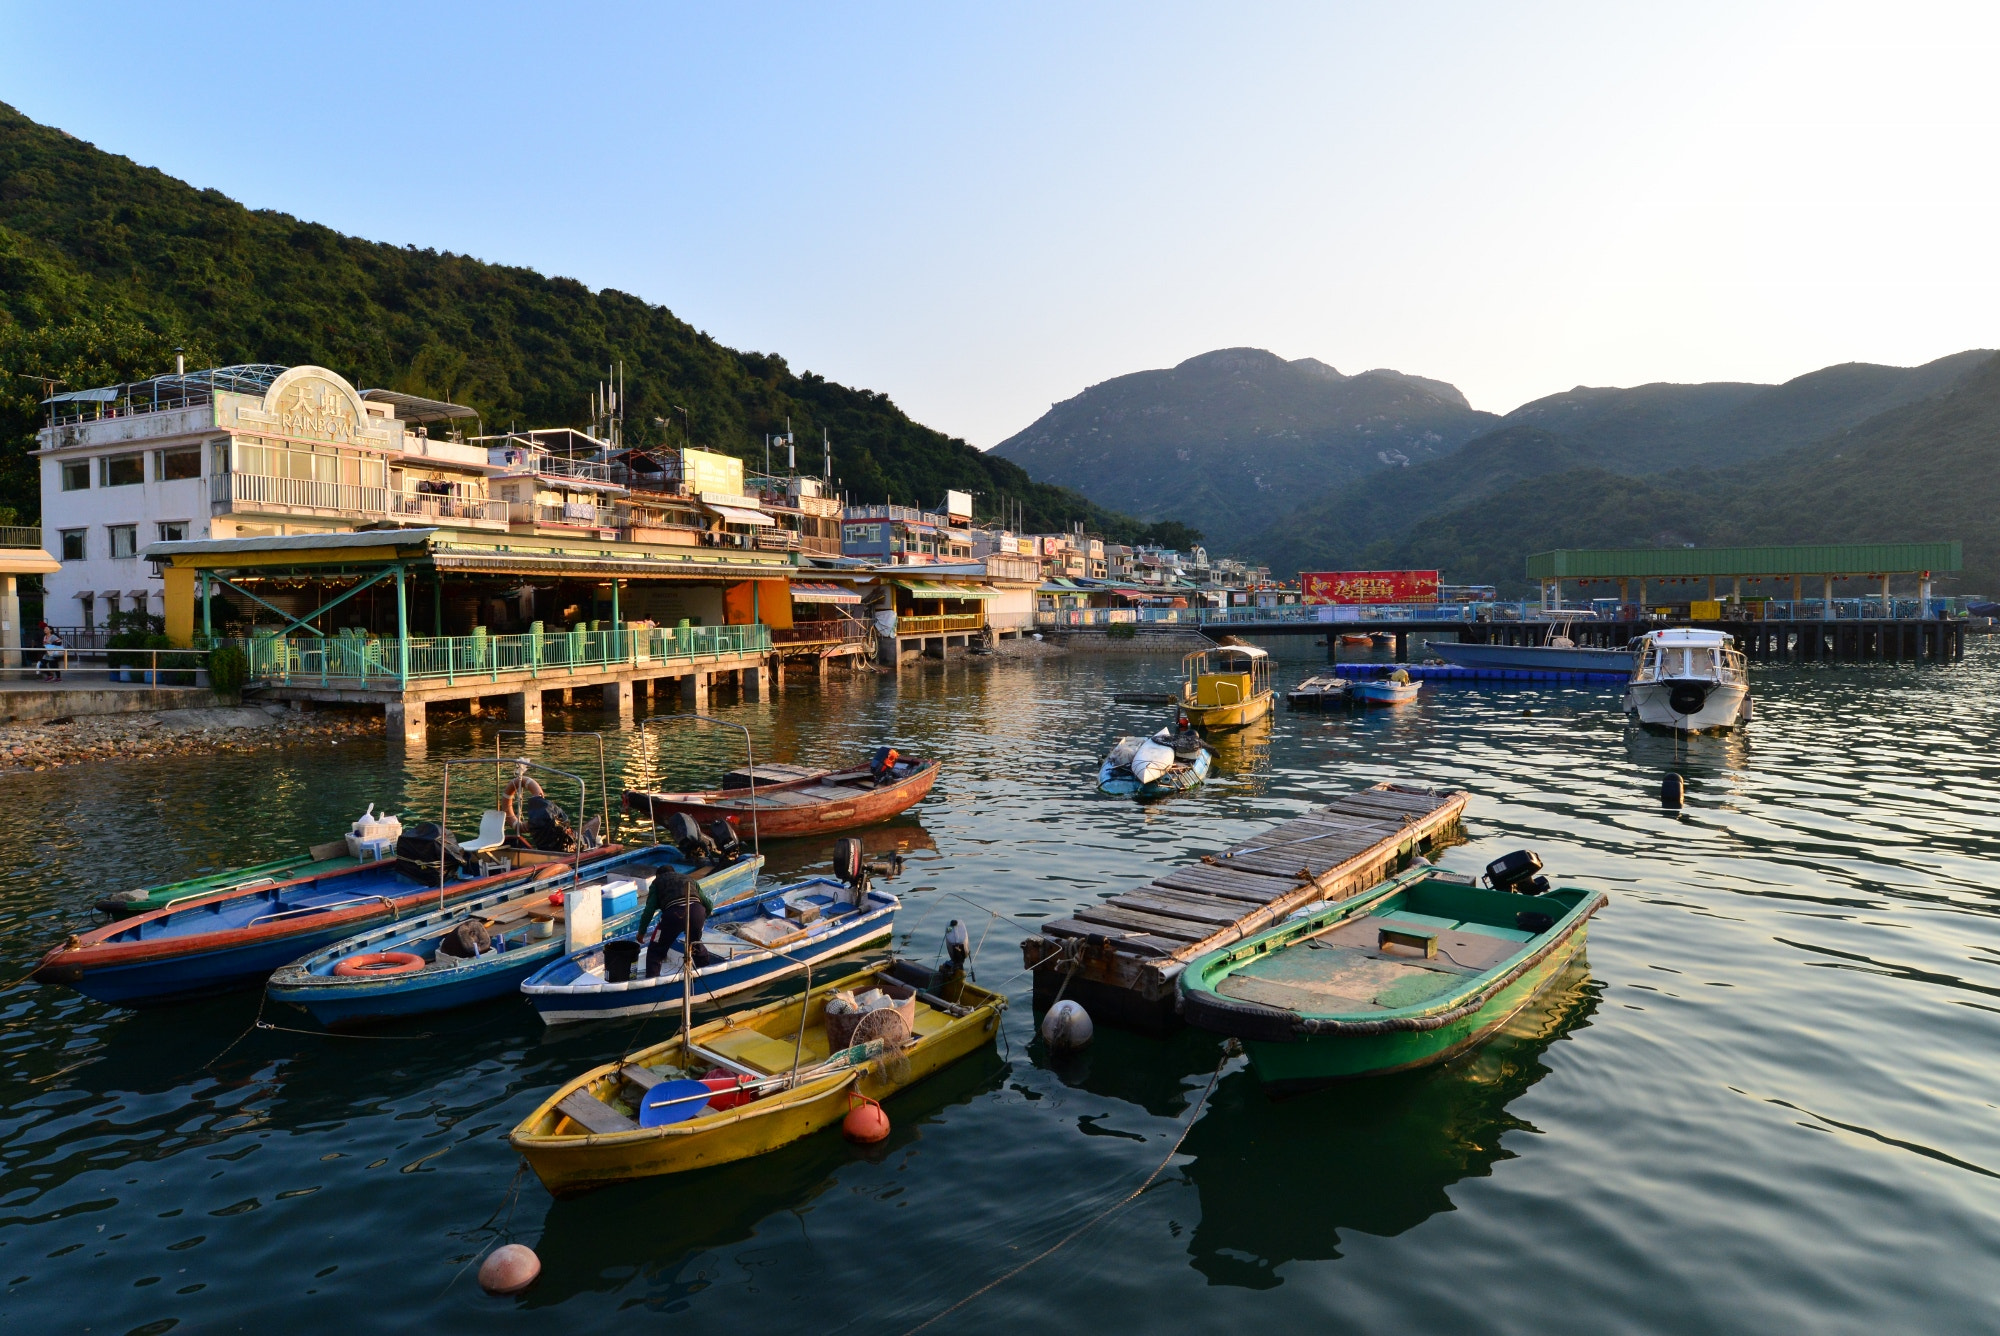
x,y
509,1269
1066,1026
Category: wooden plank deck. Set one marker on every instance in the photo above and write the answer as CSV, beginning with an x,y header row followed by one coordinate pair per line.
x,y
1122,956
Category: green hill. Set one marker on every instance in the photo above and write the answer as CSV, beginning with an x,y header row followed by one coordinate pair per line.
x,y
106,266
1227,439
1929,469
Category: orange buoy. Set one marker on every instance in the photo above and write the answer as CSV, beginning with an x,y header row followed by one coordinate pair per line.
x,y
509,1269
865,1122
378,964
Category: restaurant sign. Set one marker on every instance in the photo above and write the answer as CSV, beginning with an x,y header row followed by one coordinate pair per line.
x,y
1369,586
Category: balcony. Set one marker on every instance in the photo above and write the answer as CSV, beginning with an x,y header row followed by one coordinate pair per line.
x,y
949,623
355,659
14,535
569,515
237,491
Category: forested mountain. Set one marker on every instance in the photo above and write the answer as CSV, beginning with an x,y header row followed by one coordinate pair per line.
x,y
106,266
1925,469
1227,440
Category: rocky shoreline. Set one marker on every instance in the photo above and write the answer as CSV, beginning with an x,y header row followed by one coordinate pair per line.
x,y
54,743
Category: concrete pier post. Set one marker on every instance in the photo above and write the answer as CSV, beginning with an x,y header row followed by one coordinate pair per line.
x,y
10,622
618,700
757,683
405,719
524,708
472,707
694,690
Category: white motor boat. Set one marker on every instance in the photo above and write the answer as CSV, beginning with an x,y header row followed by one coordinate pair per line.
x,y
1688,680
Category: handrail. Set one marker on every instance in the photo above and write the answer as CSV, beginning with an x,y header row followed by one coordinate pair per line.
x,y
444,809
321,909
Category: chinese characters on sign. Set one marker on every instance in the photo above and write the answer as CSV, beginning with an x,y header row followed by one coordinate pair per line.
x,y
1369,586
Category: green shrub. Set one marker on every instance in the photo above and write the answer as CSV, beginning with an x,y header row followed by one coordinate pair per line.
x,y
1121,631
228,670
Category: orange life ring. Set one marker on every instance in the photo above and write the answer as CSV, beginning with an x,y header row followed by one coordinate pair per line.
x,y
379,964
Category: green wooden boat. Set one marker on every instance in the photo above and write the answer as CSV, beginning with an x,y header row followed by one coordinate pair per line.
x,y
315,862
1422,967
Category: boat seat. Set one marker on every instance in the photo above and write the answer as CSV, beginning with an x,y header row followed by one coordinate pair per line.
x,y
593,1114
643,1077
929,1021
771,1056
492,833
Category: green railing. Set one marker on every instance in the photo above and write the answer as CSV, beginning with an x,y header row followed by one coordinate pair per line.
x,y
354,658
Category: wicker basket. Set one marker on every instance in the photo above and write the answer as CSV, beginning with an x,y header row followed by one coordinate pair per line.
x,y
840,1026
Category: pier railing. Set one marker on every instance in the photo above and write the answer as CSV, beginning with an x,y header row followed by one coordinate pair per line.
x,y
1530,610
352,660
930,626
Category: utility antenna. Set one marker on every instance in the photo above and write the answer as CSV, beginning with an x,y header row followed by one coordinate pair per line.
x,y
826,443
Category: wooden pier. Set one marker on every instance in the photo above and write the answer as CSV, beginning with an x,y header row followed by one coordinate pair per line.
x,y
1121,957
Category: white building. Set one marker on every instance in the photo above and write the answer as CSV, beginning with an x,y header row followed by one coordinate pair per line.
x,y
236,452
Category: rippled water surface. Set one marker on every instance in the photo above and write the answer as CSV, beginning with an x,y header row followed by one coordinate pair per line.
x,y
1766,1101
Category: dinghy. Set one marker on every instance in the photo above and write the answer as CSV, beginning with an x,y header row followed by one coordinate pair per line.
x,y
752,1082
1170,761
768,936
1395,689
818,803
1408,974
484,947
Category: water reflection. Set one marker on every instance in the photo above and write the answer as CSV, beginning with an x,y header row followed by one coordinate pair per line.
x,y
1280,1180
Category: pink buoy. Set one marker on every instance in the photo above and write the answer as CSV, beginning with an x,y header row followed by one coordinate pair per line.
x,y
509,1269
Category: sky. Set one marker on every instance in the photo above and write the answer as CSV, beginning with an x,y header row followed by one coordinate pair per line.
x,y
981,210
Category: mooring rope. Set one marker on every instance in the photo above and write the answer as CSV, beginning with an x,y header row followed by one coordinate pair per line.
x,y
1229,1051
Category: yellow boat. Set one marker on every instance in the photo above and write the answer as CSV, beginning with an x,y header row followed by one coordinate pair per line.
x,y
1226,687
588,1133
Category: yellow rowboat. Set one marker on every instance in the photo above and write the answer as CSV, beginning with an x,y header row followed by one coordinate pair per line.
x,y
588,1133
1226,687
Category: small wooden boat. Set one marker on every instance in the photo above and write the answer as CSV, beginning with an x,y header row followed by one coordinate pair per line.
x,y
235,939
1384,691
1408,974
321,858
1226,687
1401,977
817,803
400,969
751,942
1322,691
752,1082
1356,642
1187,768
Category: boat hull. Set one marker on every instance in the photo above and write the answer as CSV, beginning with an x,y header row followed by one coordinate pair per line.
x,y
1543,658
1384,693
129,904
120,965
864,807
1725,705
1236,715
561,1004
1312,1063
573,1163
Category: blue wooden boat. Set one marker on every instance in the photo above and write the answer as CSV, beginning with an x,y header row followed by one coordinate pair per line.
x,y
753,942
407,975
235,939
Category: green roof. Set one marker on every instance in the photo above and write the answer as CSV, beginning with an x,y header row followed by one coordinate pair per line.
x,y
1803,559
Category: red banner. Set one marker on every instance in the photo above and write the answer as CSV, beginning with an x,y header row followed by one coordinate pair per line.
x,y
1369,586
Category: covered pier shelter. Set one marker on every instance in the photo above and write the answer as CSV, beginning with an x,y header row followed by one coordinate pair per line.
x,y
1796,569
408,618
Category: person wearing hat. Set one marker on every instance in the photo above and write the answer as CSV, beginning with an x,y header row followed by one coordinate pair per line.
x,y
681,914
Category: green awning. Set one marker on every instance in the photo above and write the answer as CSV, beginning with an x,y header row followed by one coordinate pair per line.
x,y
922,589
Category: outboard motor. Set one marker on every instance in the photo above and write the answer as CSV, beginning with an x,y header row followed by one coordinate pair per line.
x,y
1516,872
721,834
957,947
882,764
848,865
684,833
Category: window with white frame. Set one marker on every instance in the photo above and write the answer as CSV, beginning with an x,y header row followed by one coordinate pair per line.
x,y
173,531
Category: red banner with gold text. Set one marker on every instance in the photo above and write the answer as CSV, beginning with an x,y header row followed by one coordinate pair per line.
x,y
1369,586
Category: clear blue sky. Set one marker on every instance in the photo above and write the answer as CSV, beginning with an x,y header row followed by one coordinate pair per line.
x,y
981,210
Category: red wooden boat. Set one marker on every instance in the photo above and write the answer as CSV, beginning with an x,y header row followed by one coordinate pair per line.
x,y
802,802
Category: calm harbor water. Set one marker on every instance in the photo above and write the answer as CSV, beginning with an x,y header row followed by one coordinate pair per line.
x,y
1766,1101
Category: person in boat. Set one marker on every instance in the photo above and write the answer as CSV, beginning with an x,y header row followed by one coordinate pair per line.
x,y
682,914
515,800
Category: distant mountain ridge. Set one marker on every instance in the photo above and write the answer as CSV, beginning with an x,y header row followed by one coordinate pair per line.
x,y
1224,440
1925,466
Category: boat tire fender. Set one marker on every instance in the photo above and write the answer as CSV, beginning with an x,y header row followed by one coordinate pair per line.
x,y
379,965
1687,698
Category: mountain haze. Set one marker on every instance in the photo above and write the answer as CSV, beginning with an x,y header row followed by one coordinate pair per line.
x,y
1225,440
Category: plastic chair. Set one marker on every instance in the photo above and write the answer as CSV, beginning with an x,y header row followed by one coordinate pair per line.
x,y
492,833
